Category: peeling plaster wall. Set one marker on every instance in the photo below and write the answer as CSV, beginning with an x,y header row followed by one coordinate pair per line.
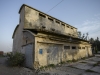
x,y
18,37
28,38
35,21
53,52
28,48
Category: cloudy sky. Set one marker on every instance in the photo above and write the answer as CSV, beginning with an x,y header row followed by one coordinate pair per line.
x,y
83,14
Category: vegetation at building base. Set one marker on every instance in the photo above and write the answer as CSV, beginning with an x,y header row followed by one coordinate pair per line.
x,y
60,64
63,62
16,59
97,64
48,66
89,70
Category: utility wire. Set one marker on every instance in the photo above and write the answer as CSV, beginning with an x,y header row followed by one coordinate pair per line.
x,y
55,6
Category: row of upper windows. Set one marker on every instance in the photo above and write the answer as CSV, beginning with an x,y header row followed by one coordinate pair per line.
x,y
52,20
73,47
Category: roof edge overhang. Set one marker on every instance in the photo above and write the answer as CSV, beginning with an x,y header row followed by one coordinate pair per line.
x,y
29,32
57,34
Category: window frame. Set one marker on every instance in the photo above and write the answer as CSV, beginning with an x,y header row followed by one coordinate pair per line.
x,y
74,48
66,47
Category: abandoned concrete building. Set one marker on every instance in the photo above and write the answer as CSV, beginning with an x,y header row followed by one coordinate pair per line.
x,y
46,40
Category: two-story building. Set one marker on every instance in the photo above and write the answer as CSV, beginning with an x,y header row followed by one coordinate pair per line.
x,y
47,40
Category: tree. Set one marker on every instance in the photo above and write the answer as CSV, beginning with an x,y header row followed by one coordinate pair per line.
x,y
95,44
91,40
83,36
79,34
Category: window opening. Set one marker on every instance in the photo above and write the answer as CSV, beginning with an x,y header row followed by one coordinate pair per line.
x,y
42,15
66,47
50,19
73,47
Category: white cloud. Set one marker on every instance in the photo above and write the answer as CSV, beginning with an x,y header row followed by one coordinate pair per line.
x,y
91,26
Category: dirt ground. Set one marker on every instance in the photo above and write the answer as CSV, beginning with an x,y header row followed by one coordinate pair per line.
x,y
7,70
90,66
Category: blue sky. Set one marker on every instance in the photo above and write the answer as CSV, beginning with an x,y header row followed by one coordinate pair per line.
x,y
83,14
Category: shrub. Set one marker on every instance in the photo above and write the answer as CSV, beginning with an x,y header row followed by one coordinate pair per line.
x,y
16,59
51,65
74,60
62,62
48,66
41,67
69,61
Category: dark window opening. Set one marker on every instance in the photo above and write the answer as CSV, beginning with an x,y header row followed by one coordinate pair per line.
x,y
50,19
83,47
68,26
73,47
43,27
58,22
41,15
71,28
63,24
52,29
69,34
79,47
66,47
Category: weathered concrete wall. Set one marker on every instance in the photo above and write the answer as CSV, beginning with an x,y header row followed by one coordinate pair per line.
x,y
53,52
18,37
89,51
28,38
28,46
38,20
